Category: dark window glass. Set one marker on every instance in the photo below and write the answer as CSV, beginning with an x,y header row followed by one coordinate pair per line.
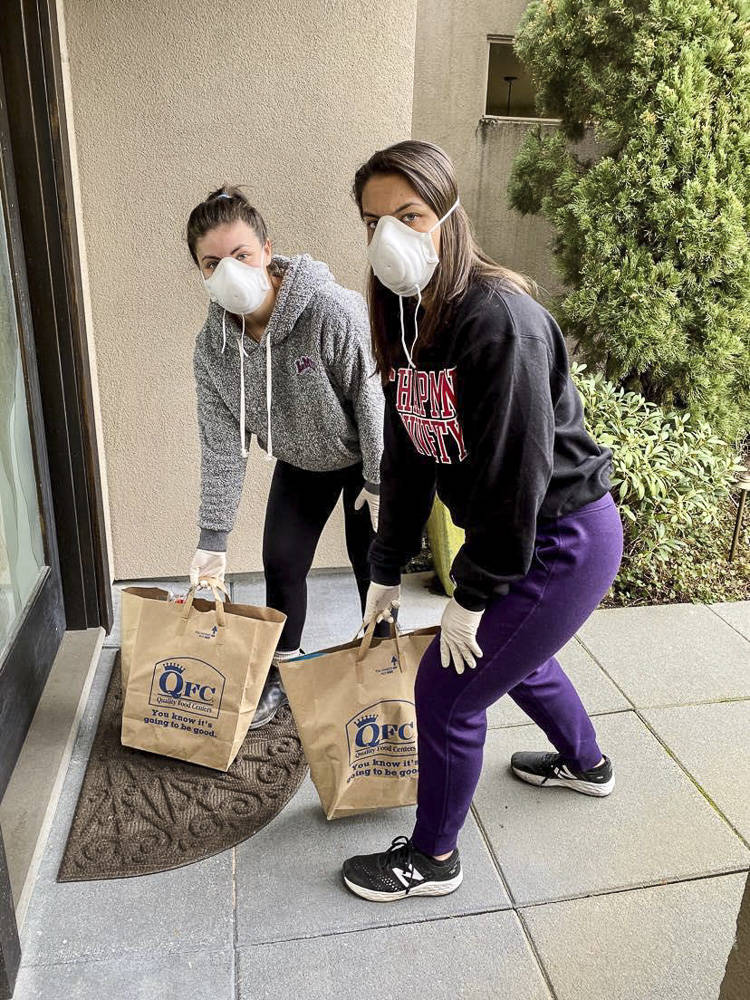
x,y
509,90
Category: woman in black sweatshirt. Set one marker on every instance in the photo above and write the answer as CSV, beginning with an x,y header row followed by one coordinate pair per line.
x,y
481,409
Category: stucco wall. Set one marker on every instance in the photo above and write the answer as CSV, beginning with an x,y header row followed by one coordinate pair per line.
x,y
170,100
450,87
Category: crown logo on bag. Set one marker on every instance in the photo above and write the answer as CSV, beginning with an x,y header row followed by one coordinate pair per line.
x,y
175,667
366,720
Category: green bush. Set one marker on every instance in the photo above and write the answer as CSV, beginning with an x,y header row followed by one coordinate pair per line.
x,y
672,481
652,233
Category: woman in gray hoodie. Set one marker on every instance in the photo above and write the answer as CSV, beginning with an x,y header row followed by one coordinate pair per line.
x,y
285,355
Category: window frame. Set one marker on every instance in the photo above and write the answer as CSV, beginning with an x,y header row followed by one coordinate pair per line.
x,y
500,39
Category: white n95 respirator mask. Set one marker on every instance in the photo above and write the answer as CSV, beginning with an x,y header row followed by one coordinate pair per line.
x,y
239,288
401,258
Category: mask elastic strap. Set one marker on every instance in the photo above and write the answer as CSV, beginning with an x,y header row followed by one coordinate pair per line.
x,y
449,212
403,332
223,331
241,345
269,390
407,352
416,323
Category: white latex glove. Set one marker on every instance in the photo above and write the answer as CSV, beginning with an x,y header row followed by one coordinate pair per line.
x,y
373,502
458,636
205,564
380,601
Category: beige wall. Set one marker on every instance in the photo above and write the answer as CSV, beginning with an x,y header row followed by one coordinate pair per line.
x,y
450,86
169,100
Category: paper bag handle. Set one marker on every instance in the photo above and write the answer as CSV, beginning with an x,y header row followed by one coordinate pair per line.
x,y
216,586
367,638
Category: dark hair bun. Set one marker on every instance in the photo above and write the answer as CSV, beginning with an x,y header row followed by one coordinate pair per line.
x,y
227,191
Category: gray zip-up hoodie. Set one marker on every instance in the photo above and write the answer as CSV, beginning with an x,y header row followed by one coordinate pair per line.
x,y
325,402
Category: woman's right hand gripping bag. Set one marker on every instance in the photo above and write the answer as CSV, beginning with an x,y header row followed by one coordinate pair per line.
x,y
354,710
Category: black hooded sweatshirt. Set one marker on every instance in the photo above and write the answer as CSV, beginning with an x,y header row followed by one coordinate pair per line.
x,y
491,419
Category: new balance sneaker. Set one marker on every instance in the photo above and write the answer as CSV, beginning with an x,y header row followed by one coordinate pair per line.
x,y
550,769
401,871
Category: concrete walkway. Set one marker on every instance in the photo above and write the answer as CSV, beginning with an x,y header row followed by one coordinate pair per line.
x,y
633,896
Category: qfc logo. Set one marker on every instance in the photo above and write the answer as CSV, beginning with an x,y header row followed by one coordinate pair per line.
x,y
189,684
387,728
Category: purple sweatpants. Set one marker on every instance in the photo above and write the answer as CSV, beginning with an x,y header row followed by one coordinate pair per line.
x,y
576,558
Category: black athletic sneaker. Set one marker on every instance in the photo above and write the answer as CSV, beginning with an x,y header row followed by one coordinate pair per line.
x,y
550,769
401,871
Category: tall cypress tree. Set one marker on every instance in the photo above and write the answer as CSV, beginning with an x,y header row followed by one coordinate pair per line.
x,y
652,234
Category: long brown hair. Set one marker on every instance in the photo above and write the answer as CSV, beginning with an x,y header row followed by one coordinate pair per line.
x,y
429,170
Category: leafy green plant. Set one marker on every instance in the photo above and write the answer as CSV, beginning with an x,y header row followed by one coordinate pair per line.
x,y
672,480
652,233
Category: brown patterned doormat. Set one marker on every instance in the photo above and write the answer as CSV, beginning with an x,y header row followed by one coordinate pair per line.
x,y
140,813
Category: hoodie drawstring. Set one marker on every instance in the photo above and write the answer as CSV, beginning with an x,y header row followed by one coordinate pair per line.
x,y
269,383
269,392
243,355
241,346
416,326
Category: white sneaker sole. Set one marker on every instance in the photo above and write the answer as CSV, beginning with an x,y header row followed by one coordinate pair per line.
x,y
575,784
422,889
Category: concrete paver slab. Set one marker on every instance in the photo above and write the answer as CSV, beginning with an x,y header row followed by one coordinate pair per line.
x,y
668,942
669,654
553,843
289,881
190,976
737,613
712,742
104,919
473,958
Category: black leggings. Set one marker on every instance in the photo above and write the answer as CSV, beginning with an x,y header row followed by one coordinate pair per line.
x,y
299,505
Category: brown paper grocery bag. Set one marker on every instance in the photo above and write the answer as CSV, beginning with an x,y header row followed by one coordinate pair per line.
x,y
354,710
195,673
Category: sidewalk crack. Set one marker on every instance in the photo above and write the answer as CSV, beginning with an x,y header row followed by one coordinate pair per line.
x,y
235,948
514,904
